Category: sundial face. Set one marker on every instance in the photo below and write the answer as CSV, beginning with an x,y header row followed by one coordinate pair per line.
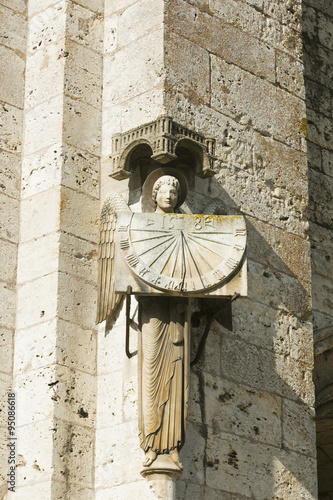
x,y
182,252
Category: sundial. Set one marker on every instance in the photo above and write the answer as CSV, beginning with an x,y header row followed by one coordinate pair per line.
x,y
180,254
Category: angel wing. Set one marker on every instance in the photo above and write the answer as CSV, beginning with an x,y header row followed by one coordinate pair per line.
x,y
107,300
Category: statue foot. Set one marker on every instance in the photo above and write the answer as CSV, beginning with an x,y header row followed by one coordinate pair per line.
x,y
150,457
175,457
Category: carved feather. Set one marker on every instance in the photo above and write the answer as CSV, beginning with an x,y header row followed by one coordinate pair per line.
x,y
107,299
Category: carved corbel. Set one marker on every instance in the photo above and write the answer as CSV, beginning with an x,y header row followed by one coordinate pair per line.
x,y
162,140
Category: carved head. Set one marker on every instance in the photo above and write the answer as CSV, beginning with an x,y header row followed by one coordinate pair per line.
x,y
165,194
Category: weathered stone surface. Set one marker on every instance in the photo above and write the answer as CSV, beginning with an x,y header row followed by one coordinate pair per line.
x,y
298,429
11,77
79,214
238,94
221,38
13,33
130,26
6,346
11,119
192,81
38,256
48,26
9,216
40,214
10,174
80,119
84,26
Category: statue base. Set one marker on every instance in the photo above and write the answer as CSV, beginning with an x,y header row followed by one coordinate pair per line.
x,y
163,465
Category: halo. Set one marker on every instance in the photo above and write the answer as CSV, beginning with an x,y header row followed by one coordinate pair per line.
x,y
159,172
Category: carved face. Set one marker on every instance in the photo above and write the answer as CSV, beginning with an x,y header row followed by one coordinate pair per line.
x,y
166,193
166,198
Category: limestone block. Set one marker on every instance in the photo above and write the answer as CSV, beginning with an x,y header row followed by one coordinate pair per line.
x,y
325,71
83,74
325,30
111,352
11,120
188,491
322,294
130,25
110,400
78,301
35,452
210,359
7,312
246,412
43,125
142,108
279,250
114,464
299,431
111,124
94,5
192,455
13,30
112,6
290,14
41,490
76,347
19,6
6,346
145,72
82,126
42,170
59,391
242,15
138,489
11,77
289,74
37,257
327,162
45,74
10,166
34,387
181,74
9,217
79,214
85,27
239,94
110,34
5,388
321,251
260,199
296,379
36,346
78,257
81,171
74,452
130,389
48,26
8,253
40,214
279,290
318,97
283,167
295,476
39,298
259,471
321,196
221,38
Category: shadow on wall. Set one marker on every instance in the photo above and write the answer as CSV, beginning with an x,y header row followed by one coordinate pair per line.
x,y
251,423
317,23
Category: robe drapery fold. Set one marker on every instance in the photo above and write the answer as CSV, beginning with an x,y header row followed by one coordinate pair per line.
x,y
163,371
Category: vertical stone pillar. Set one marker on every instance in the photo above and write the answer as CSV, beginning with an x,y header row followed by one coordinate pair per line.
x,y
55,342
232,70
12,55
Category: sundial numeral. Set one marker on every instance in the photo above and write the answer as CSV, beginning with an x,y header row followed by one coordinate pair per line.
x,y
132,260
240,232
156,281
124,244
150,222
231,263
209,221
143,271
218,274
122,228
239,247
170,285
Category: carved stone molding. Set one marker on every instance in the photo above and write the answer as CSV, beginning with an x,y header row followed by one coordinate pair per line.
x,y
163,137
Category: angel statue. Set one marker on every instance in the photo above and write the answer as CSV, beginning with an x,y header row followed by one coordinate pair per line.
x,y
166,257
164,328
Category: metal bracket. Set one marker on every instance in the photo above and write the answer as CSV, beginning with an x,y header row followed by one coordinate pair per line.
x,y
207,329
128,310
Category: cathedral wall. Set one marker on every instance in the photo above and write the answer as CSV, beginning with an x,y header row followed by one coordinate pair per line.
x,y
12,55
318,53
